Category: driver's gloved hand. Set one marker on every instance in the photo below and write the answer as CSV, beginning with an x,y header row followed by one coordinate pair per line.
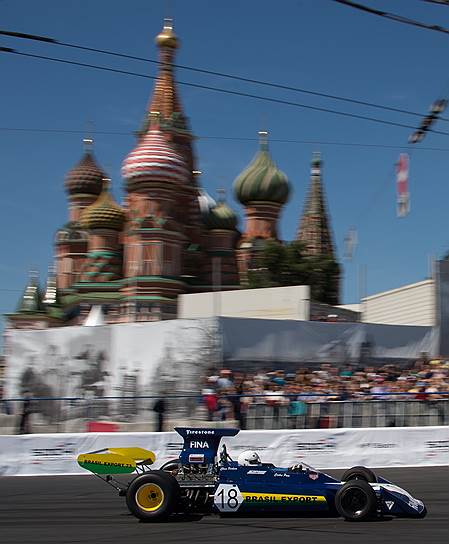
x,y
295,468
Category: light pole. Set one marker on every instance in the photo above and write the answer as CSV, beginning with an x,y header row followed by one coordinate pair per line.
x,y
216,282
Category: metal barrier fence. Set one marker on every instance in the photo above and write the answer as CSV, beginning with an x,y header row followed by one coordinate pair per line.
x,y
46,415
374,413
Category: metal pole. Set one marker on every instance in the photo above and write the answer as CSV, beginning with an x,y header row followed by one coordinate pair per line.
x,y
216,282
136,269
362,290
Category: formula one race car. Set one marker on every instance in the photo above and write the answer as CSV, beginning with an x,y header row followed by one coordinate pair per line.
x,y
198,482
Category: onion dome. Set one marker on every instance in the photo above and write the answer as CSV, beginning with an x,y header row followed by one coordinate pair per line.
x,y
222,217
216,215
262,181
167,38
86,177
154,160
104,213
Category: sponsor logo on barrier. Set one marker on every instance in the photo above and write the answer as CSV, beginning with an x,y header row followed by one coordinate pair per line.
x,y
441,445
64,450
378,445
173,446
324,445
258,447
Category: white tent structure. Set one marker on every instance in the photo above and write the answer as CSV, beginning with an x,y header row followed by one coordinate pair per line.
x,y
95,317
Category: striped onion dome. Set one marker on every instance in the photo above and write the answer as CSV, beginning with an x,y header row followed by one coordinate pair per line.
x,y
104,213
86,177
154,159
262,181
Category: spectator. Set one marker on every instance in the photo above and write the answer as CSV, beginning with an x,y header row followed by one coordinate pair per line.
x,y
210,401
160,408
225,379
24,424
424,380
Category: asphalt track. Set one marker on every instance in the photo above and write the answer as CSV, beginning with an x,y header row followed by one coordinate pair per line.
x,y
75,509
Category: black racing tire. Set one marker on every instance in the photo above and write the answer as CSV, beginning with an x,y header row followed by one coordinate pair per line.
x,y
359,473
153,496
356,501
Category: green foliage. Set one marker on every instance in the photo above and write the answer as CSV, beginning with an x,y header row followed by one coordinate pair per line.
x,y
278,265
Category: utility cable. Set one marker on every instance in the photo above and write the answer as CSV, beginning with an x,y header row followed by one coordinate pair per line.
x,y
392,16
220,90
225,138
46,39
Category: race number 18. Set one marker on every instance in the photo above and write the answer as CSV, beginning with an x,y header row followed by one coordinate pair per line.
x,y
228,498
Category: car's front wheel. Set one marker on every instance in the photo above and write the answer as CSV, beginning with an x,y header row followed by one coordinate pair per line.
x,y
153,496
356,501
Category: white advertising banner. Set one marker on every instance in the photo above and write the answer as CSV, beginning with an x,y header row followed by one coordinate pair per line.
x,y
55,454
127,359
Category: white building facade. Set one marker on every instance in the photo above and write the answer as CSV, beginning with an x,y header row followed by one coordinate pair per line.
x,y
413,304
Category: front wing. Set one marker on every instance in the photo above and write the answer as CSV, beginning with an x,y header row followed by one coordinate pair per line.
x,y
398,502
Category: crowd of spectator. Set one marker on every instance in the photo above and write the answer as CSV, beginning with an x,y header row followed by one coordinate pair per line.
x,y
228,394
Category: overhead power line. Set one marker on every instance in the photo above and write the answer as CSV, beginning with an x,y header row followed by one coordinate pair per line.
x,y
218,89
225,138
311,92
392,16
440,2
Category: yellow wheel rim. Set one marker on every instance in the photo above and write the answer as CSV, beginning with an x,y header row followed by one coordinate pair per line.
x,y
149,497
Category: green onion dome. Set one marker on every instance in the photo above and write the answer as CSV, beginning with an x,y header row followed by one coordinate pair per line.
x,y
104,213
221,217
262,181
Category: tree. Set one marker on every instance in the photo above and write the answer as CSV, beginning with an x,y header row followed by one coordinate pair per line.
x,y
275,265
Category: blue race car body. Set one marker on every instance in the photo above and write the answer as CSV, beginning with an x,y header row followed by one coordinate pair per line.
x,y
268,489
265,488
202,480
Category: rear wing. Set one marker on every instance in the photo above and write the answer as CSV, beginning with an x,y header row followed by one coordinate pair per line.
x,y
116,460
201,444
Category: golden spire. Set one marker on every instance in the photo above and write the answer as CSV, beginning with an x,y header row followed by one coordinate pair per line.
x,y
88,144
263,139
221,192
167,38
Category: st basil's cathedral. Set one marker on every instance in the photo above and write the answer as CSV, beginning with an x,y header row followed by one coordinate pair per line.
x,y
169,236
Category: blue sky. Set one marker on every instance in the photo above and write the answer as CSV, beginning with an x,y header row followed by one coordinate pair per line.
x,y
313,44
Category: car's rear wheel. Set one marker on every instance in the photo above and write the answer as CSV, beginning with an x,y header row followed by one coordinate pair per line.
x,y
356,501
359,473
153,496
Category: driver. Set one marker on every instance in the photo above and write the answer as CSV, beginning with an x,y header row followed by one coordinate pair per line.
x,y
249,457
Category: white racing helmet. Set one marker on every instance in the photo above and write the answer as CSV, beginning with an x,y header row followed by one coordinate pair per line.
x,y
248,457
